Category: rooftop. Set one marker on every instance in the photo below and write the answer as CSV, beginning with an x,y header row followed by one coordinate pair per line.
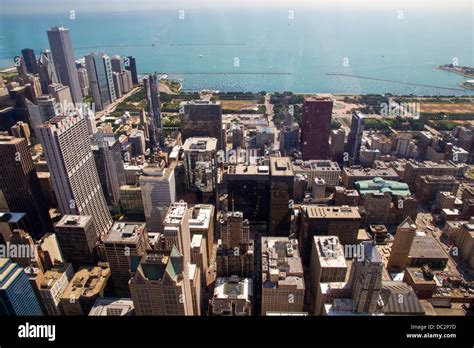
x,y
200,144
330,251
326,212
74,221
427,247
281,166
281,263
108,306
125,232
87,282
380,185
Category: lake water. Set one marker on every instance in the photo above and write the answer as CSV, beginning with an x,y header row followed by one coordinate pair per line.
x,y
272,50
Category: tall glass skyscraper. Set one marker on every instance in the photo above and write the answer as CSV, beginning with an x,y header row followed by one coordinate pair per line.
x,y
16,294
63,57
99,72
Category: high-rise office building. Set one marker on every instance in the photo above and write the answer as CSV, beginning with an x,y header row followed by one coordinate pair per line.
x,y
46,105
22,130
338,137
354,140
200,164
281,192
328,265
343,222
47,70
235,252
17,297
316,128
99,72
152,94
132,67
283,286
248,190
367,279
67,148
161,286
401,246
200,118
289,135
83,81
116,63
63,56
124,241
158,188
108,159
176,230
52,286
20,185
30,60
77,239
61,94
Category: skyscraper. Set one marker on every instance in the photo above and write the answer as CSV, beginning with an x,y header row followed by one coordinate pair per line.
x,y
124,241
63,56
108,159
160,286
367,279
76,184
201,118
158,188
235,253
132,66
99,72
16,294
316,128
201,169
30,60
281,192
20,185
47,70
401,246
77,239
283,287
152,95
354,140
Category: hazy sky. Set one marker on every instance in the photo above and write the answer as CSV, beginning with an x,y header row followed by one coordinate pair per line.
x,y
57,6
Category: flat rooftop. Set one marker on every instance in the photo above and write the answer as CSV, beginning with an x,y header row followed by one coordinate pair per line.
x,y
281,166
74,221
316,165
233,288
200,144
427,247
327,212
330,252
87,282
108,306
201,216
369,172
125,232
281,263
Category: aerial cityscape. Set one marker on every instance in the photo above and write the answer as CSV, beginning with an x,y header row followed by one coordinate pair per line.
x,y
128,192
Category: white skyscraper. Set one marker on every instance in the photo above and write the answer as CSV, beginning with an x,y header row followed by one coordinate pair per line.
x,y
76,184
158,188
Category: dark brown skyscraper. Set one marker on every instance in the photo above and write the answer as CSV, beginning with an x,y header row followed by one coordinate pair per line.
x,y
316,128
20,185
201,118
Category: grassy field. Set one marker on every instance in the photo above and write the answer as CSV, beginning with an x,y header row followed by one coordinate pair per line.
x,y
238,104
447,108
